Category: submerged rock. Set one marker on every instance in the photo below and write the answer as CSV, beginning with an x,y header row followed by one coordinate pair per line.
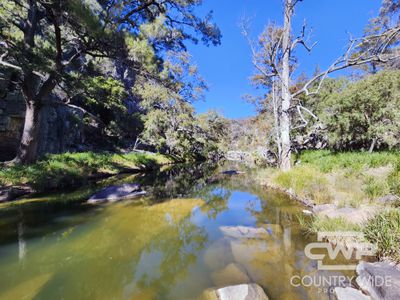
x,y
116,193
380,280
238,292
218,254
349,293
232,274
243,232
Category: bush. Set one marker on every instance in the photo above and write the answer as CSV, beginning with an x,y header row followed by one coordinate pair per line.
x,y
384,231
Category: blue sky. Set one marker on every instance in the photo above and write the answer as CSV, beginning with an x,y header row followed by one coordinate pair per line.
x,y
227,68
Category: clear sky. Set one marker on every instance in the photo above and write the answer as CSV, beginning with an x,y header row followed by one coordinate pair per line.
x,y
227,68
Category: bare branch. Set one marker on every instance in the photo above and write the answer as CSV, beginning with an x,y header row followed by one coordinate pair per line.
x,y
345,61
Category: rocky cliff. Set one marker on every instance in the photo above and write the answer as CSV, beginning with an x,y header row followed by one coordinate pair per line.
x,y
62,127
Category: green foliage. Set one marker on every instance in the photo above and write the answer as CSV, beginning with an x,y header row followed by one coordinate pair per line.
x,y
327,161
74,169
306,181
384,231
375,187
103,56
177,132
317,224
394,178
365,111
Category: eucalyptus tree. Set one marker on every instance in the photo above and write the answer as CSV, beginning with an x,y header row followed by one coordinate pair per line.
x,y
275,61
42,41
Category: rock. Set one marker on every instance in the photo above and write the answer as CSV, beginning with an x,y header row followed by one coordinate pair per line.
x,y
242,292
353,215
242,232
380,280
349,293
232,172
390,200
307,212
116,193
208,294
255,254
12,192
218,254
324,208
232,274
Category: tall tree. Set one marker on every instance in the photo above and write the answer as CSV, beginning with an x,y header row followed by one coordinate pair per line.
x,y
273,56
42,40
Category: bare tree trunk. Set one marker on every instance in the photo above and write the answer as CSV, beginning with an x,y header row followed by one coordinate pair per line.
x,y
285,162
27,152
372,147
276,109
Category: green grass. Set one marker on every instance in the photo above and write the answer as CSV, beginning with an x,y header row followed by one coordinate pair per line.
x,y
384,231
306,181
74,169
375,187
318,224
327,161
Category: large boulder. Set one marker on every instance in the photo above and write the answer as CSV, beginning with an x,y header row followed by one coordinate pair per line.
x,y
12,192
116,193
380,280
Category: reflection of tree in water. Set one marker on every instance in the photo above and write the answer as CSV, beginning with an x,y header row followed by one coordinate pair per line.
x,y
178,181
216,198
178,252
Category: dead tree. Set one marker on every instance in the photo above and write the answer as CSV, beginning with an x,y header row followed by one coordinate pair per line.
x,y
274,60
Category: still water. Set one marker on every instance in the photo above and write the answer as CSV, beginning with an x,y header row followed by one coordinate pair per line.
x,y
166,246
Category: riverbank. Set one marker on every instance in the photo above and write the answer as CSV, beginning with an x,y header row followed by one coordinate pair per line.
x,y
60,171
347,192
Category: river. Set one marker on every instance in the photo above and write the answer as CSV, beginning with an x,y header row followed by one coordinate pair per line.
x,y
168,245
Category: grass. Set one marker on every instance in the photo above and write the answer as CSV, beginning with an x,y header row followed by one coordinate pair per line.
x,y
348,179
306,181
344,178
384,231
327,161
74,169
375,187
319,224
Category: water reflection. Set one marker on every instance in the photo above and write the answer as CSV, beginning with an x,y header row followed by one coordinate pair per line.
x,y
157,248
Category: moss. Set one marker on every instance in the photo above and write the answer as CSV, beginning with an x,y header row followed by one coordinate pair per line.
x,y
75,169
